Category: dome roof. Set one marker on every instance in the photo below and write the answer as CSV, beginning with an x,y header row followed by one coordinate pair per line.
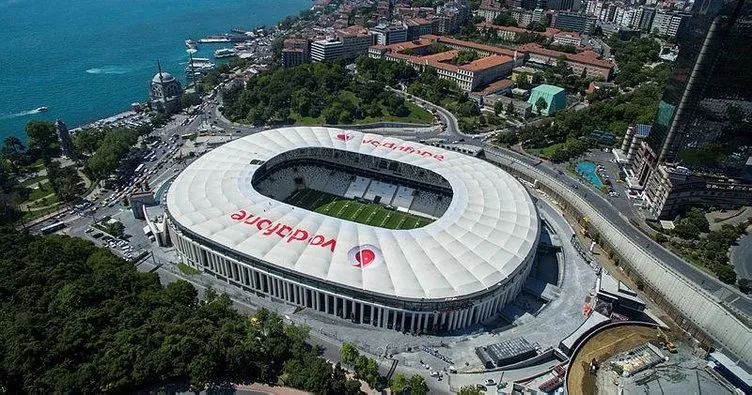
x,y
166,77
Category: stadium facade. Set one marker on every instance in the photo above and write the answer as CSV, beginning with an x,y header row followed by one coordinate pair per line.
x,y
394,234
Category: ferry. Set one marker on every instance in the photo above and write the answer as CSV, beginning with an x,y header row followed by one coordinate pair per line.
x,y
215,39
224,53
41,109
190,44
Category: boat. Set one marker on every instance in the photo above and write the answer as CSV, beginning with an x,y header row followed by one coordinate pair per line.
x,y
215,39
224,53
190,44
41,109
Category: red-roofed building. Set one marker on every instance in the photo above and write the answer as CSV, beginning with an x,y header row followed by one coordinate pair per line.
x,y
589,61
295,52
493,64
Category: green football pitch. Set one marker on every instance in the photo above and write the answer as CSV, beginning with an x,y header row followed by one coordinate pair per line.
x,y
349,209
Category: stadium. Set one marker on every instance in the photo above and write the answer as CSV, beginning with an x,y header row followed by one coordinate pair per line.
x,y
365,227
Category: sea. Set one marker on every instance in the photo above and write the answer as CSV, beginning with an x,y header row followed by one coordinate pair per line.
x,y
88,59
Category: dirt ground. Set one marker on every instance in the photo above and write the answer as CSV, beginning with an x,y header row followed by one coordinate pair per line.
x,y
601,347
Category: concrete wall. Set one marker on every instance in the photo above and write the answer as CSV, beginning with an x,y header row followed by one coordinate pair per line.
x,y
691,307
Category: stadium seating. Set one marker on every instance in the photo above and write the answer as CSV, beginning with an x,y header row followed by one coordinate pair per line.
x,y
338,183
358,187
403,198
382,189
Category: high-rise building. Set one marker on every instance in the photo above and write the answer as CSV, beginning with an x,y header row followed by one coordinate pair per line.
x,y
703,127
572,21
646,18
667,23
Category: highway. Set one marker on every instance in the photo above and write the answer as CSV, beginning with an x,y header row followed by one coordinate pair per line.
x,y
728,295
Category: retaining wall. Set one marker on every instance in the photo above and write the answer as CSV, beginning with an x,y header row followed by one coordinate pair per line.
x,y
693,309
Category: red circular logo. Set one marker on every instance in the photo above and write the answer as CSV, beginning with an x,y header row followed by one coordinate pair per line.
x,y
364,256
345,136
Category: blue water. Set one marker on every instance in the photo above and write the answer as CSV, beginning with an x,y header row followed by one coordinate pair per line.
x,y
587,170
88,59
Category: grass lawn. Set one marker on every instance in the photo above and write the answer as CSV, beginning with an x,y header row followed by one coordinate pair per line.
x,y
40,192
548,152
351,210
33,181
187,270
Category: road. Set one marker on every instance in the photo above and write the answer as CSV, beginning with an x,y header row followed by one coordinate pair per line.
x,y
741,257
728,295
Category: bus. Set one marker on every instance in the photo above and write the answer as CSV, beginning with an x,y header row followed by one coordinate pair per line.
x,y
52,228
139,169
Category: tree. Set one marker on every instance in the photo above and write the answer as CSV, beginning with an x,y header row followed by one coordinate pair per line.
x,y
12,151
541,105
505,19
418,385
726,273
510,109
43,139
470,390
398,384
348,354
536,27
66,182
743,285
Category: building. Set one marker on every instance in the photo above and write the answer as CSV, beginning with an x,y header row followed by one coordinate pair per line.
x,y
674,189
451,16
493,64
66,144
555,97
225,219
347,44
700,132
521,107
295,51
646,18
529,74
667,23
573,21
417,27
499,87
568,38
389,34
587,62
165,92
490,9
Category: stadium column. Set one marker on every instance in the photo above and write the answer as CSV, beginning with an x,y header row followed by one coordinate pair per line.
x,y
362,312
373,309
315,295
305,297
326,303
412,322
402,325
394,320
425,321
381,317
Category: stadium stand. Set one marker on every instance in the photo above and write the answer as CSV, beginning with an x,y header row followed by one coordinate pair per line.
x,y
403,198
338,183
384,190
424,203
358,187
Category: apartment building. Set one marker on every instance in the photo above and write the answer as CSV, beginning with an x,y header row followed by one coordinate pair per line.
x,y
347,44
587,61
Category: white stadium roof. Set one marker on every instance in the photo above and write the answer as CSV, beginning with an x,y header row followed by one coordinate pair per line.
x,y
490,228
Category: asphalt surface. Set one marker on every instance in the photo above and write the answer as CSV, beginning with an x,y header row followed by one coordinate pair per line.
x,y
741,257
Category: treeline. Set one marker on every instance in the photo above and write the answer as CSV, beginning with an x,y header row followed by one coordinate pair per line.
x,y
317,92
74,318
103,148
694,241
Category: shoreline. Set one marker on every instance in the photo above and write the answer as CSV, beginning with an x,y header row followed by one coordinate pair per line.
x,y
77,110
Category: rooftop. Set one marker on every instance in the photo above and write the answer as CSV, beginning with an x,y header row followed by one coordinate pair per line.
x,y
548,89
585,57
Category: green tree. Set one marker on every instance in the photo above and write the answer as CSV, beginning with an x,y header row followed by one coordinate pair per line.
x,y
348,354
398,384
66,182
470,390
43,139
726,273
541,105
510,109
13,151
505,19
743,285
418,385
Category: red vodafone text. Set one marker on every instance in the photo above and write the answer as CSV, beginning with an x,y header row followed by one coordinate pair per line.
x,y
404,148
290,234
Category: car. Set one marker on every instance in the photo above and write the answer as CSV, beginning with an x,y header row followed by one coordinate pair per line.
x,y
490,382
89,230
481,387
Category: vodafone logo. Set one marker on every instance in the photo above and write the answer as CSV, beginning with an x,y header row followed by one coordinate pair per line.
x,y
364,256
345,136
